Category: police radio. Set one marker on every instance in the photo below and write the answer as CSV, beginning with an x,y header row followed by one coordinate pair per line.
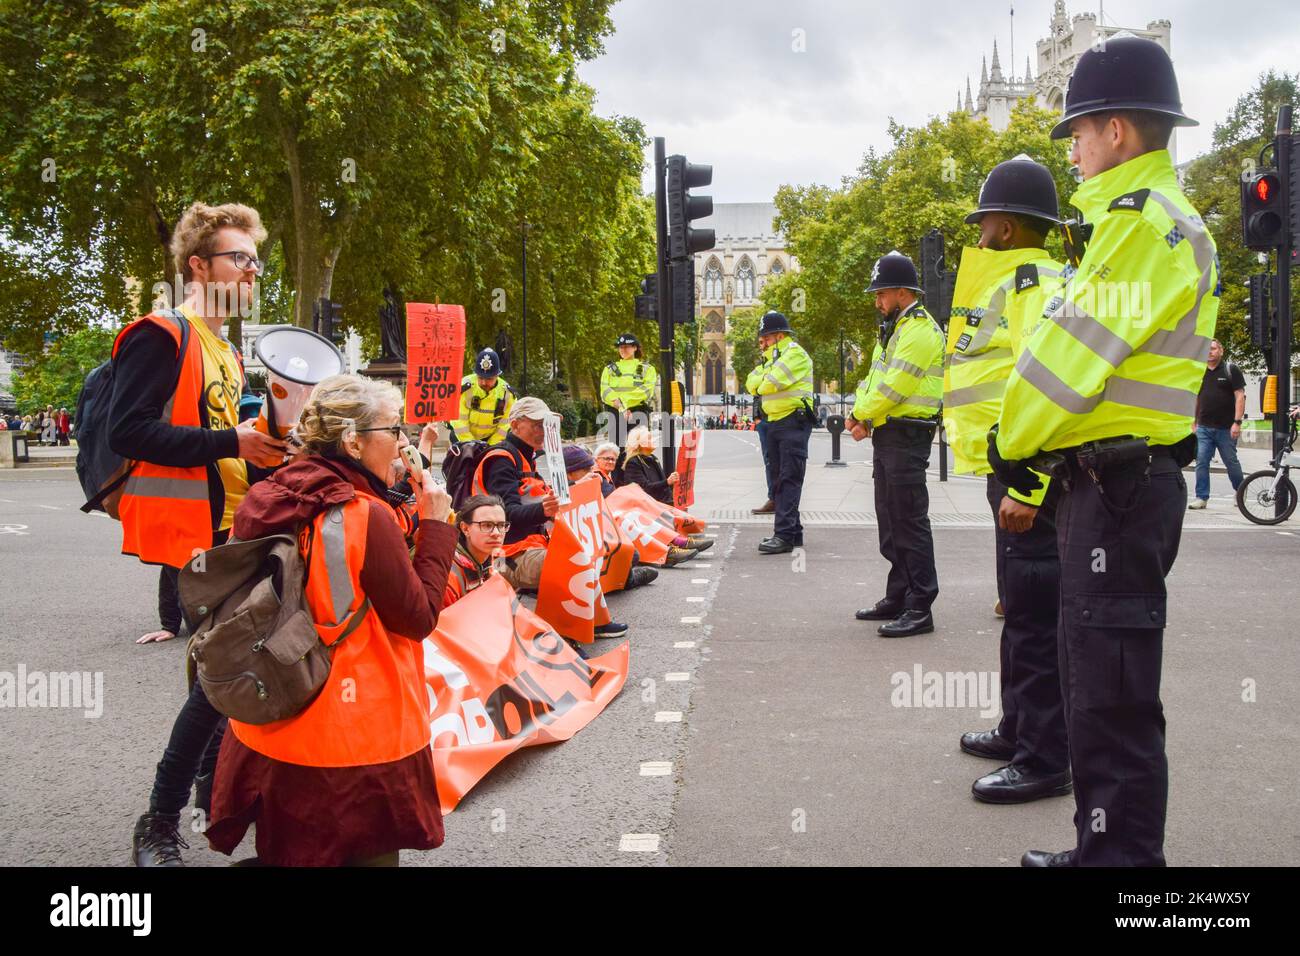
x,y
1075,234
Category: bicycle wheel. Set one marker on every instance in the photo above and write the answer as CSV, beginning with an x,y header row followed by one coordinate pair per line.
x,y
1258,501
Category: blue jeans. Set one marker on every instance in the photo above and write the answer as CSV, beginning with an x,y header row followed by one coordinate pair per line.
x,y
1207,440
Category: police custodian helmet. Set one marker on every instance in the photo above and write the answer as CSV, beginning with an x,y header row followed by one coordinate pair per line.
x,y
773,322
487,364
1125,72
627,338
894,271
1019,186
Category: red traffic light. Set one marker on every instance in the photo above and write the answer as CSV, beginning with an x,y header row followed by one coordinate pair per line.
x,y
1265,187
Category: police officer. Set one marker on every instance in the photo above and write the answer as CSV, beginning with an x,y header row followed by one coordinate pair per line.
x,y
898,405
627,389
784,383
1002,288
485,402
1108,385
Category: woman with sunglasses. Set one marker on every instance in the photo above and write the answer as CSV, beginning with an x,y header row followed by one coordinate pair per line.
x,y
482,527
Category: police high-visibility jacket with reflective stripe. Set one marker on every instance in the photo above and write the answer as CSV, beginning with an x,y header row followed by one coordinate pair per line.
x,y
531,485
374,708
906,376
166,512
629,381
1124,350
784,381
995,292
483,414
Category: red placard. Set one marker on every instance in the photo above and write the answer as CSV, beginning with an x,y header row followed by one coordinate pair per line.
x,y
435,355
684,490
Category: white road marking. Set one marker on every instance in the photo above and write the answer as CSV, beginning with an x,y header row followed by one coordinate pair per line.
x,y
684,644
668,717
695,599
656,768
701,564
1287,533
639,843
699,580
691,620
50,507
677,676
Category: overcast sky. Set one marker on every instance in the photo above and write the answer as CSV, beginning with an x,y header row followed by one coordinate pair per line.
x,y
720,81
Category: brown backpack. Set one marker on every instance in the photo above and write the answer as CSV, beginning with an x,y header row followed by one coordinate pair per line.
x,y
256,650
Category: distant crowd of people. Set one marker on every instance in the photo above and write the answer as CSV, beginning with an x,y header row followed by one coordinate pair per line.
x,y
52,426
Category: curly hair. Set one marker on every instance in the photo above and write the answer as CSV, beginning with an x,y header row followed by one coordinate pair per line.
x,y
339,406
194,234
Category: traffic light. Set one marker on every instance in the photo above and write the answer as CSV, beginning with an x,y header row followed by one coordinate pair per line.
x,y
681,274
647,302
1260,317
1263,218
683,208
327,320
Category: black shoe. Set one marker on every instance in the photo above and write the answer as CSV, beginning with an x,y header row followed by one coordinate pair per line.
x,y
767,509
203,793
640,575
907,624
775,545
1048,858
882,610
1012,784
157,841
988,743
612,629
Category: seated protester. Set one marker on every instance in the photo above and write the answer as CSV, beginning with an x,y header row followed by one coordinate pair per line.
x,y
642,468
508,470
580,466
607,454
482,526
349,779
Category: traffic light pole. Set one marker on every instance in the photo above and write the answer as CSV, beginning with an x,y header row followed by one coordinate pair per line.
x,y
664,304
1282,342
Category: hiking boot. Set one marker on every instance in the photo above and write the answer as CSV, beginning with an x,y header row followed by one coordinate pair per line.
x,y
157,841
678,555
640,575
698,542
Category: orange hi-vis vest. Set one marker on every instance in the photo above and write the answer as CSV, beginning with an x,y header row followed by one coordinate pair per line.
x,y
531,485
374,707
166,513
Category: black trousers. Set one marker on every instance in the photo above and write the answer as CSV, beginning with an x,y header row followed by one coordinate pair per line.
x,y
761,427
1116,548
619,426
900,455
195,738
1033,711
787,461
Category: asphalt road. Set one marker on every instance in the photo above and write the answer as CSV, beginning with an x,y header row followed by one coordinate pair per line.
x,y
788,749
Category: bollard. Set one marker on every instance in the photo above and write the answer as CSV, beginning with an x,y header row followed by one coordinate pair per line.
x,y
835,425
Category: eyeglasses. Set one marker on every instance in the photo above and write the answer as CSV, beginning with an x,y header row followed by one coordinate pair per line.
x,y
243,261
607,457
394,430
492,527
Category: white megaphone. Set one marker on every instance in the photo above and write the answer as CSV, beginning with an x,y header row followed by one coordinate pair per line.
x,y
296,360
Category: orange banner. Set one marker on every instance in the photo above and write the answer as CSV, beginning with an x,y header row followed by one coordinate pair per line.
x,y
641,519
684,490
499,679
569,597
619,550
435,352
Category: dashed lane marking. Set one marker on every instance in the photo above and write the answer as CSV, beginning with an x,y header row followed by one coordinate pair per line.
x,y
699,580
639,843
684,644
656,768
668,717
695,599
691,620
677,676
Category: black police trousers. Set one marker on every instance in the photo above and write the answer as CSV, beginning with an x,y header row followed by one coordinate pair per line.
x,y
787,460
900,454
1029,574
1117,540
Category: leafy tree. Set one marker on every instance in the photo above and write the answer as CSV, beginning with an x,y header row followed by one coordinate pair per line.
x,y
56,379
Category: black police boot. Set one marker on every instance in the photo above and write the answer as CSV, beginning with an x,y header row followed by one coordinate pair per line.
x,y
1037,858
157,841
907,624
988,743
1012,784
775,545
882,610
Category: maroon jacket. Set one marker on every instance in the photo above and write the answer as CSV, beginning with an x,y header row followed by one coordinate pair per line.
x,y
406,592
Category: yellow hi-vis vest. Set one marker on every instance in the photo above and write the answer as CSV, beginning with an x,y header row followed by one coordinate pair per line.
x,y
906,376
629,381
995,293
1124,350
784,381
483,415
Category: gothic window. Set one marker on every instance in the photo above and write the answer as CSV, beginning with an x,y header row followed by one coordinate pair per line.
x,y
744,281
777,268
713,325
714,374
713,281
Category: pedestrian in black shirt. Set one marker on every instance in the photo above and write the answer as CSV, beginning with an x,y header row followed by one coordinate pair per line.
x,y
1220,407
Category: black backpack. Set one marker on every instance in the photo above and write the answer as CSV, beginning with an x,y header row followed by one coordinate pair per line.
x,y
102,471
461,464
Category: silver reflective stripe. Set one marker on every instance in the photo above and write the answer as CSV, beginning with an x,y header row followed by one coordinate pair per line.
x,y
992,315
1121,391
1100,340
900,399
1182,341
336,563
909,368
802,389
179,489
960,358
988,392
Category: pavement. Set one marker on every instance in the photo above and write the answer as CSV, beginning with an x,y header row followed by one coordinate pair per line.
x,y
775,712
